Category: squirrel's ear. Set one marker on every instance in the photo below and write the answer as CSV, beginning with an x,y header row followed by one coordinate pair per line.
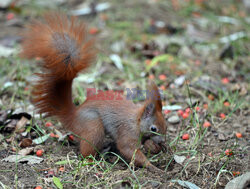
x,y
154,95
147,110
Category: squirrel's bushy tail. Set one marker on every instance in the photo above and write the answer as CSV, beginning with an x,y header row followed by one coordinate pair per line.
x,y
65,50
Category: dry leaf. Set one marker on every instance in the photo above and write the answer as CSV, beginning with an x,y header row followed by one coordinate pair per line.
x,y
20,126
179,159
20,158
26,142
26,151
11,139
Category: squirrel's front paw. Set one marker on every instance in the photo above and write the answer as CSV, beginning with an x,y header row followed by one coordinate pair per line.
x,y
154,169
152,147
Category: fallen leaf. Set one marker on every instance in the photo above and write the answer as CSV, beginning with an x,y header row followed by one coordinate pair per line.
x,y
6,51
179,159
20,158
11,125
42,139
186,184
26,142
233,37
57,182
172,107
11,139
20,126
5,3
3,117
26,151
117,61
84,10
222,137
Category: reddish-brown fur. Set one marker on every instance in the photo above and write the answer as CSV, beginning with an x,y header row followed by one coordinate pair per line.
x,y
65,49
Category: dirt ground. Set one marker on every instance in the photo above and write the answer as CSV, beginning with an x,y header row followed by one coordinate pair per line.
x,y
198,54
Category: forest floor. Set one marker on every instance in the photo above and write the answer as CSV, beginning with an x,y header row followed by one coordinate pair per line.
x,y
197,52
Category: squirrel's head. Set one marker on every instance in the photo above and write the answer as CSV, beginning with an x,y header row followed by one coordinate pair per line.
x,y
151,120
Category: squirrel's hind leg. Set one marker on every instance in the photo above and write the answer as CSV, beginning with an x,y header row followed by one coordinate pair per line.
x,y
91,139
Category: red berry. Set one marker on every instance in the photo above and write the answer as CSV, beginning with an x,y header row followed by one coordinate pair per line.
x,y
205,106
197,109
210,154
180,112
185,115
187,110
162,77
167,111
162,87
48,124
185,136
151,76
225,80
206,124
197,62
229,152
222,116
52,135
93,31
210,97
148,62
39,153
238,135
71,137
10,16
38,187
61,169
104,17
227,104
235,173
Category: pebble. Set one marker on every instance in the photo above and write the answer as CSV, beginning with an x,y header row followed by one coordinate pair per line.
x,y
240,182
179,81
174,119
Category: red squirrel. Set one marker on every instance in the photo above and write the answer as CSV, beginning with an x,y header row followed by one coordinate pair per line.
x,y
65,48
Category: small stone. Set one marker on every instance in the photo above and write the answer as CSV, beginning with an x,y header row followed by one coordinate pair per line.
x,y
155,184
174,119
179,159
222,137
179,81
186,52
240,182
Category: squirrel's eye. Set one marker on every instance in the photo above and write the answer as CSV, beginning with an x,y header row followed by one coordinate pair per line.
x,y
153,128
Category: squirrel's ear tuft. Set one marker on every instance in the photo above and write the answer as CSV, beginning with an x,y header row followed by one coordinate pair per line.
x,y
154,95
